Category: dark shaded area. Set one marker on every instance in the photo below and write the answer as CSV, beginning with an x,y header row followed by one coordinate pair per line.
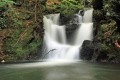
x,y
97,4
87,50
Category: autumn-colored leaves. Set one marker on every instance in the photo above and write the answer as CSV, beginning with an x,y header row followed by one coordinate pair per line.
x,y
51,2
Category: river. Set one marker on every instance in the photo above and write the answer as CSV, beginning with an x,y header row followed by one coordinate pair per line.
x,y
59,71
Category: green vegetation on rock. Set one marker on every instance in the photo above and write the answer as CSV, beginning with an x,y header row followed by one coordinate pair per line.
x,y
65,7
106,17
20,34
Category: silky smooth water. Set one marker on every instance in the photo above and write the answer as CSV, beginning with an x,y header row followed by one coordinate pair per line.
x,y
55,36
59,71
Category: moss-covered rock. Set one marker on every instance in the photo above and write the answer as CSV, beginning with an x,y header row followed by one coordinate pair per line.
x,y
21,31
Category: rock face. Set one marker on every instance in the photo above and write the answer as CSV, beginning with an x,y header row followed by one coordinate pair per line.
x,y
72,25
87,50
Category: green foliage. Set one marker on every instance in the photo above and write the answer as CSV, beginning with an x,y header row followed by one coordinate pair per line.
x,y
3,23
70,6
104,47
108,29
18,30
66,7
112,8
5,2
9,17
20,48
14,16
4,6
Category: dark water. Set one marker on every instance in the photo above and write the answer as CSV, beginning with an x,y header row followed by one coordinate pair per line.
x,y
59,71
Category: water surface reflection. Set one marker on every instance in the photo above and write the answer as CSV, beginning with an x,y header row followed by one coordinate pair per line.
x,y
59,71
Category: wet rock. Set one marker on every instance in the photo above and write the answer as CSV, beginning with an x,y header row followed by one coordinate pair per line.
x,y
87,50
102,57
64,19
73,24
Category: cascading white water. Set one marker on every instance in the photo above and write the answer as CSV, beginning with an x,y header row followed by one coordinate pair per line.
x,y
84,33
87,18
55,37
55,31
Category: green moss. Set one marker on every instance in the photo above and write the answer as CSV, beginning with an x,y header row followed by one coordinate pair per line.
x,y
19,40
65,7
18,43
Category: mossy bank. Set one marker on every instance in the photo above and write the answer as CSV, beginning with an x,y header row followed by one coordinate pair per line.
x,y
21,29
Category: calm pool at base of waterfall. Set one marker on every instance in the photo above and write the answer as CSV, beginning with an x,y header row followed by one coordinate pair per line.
x,y
59,71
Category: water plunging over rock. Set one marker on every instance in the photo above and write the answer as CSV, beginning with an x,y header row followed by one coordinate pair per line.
x,y
57,45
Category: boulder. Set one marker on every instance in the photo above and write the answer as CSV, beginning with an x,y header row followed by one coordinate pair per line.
x,y
87,50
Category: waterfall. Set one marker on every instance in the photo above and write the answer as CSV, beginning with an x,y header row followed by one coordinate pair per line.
x,y
84,33
87,18
55,38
